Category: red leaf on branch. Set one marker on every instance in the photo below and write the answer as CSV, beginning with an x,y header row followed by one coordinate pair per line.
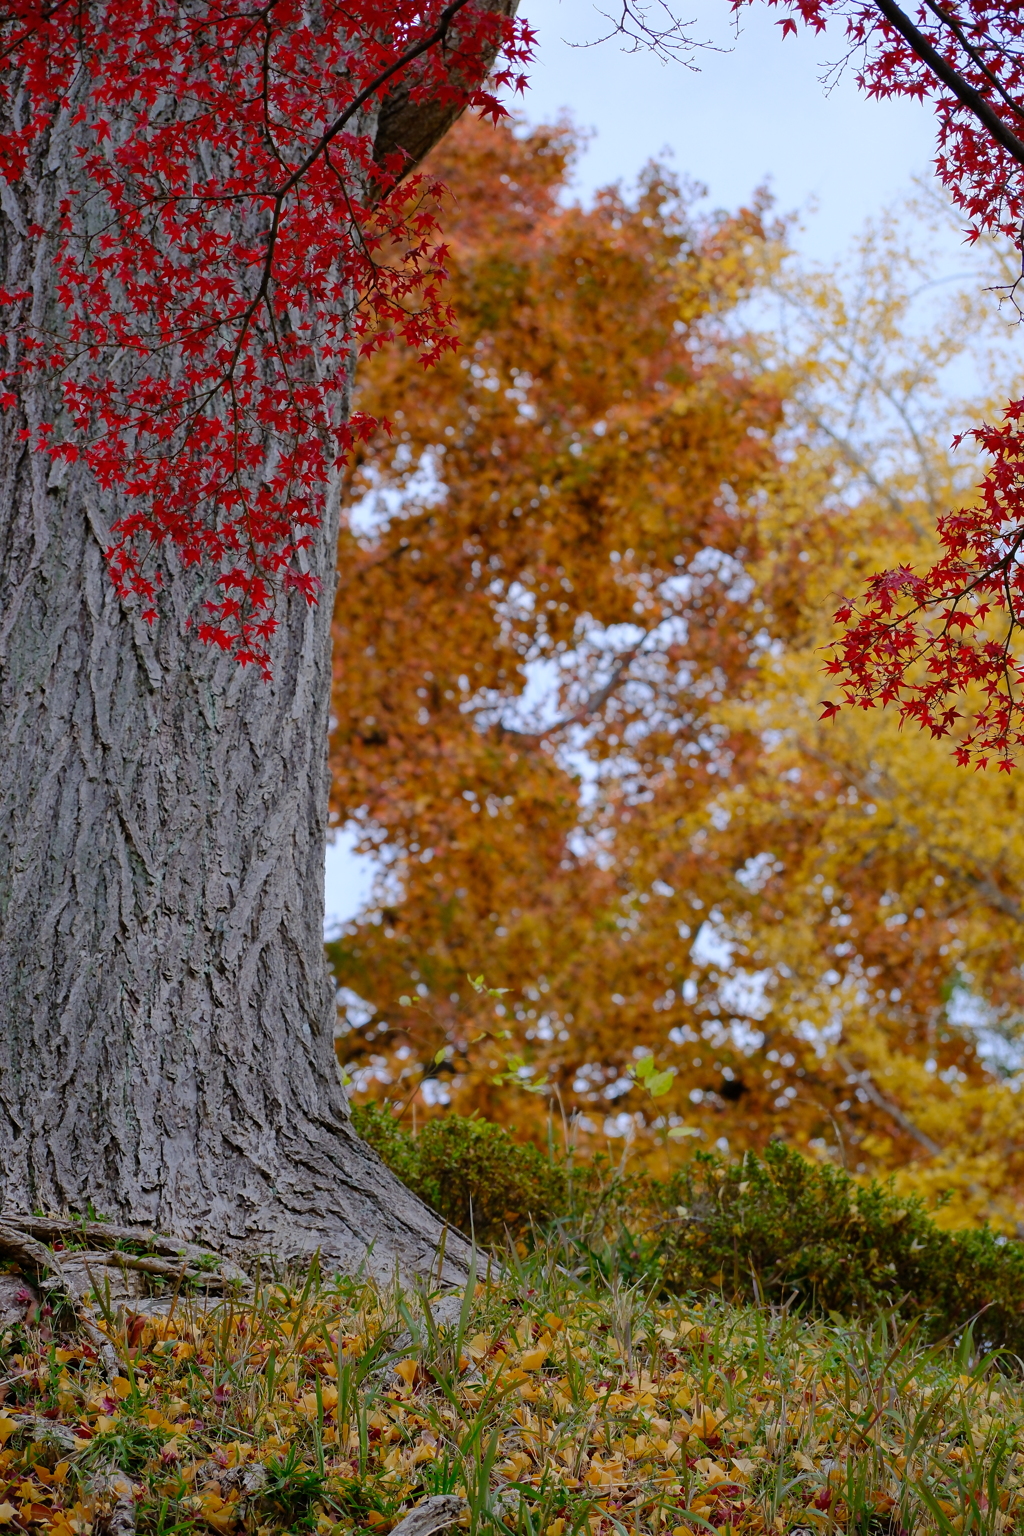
x,y
246,242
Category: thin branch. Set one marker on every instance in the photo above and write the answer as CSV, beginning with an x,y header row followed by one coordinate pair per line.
x,y
590,705
865,1081
670,41
983,884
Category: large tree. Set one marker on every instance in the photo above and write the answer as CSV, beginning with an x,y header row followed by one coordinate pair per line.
x,y
201,223
863,892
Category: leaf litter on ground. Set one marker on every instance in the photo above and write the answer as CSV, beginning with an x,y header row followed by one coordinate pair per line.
x,y
551,1403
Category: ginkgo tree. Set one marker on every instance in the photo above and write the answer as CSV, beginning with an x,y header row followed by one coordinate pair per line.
x,y
860,869
207,213
941,641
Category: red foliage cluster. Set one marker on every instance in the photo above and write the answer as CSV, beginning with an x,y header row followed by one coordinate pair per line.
x,y
929,641
225,237
923,640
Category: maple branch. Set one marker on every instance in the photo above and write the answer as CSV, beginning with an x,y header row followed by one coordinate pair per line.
x,y
29,30
965,93
412,53
973,54
424,45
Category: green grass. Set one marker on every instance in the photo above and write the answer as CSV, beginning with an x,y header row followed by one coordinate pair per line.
x,y
762,1347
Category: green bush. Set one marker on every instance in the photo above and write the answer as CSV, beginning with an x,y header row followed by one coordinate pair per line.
x,y
376,1124
784,1228
776,1228
470,1171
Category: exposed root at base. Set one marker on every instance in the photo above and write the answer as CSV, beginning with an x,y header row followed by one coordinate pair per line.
x,y
95,1267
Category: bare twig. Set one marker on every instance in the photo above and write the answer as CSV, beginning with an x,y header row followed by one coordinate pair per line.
x,y
589,707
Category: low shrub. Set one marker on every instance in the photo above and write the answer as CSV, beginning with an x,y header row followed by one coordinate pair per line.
x,y
791,1229
776,1228
469,1171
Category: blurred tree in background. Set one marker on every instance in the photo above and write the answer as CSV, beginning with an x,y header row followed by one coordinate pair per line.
x,y
578,682
598,438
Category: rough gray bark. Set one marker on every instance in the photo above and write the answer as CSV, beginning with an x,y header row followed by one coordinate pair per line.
x,y
166,1018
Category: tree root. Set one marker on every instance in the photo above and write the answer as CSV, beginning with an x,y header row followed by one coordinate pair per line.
x,y
116,1490
27,1252
199,1258
74,1269
71,1273
434,1514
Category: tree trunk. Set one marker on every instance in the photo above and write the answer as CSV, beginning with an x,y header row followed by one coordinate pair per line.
x,y
166,1050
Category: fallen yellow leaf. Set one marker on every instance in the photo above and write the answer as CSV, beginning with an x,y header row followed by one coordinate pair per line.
x,y
219,1513
705,1424
515,1466
712,1473
477,1346
705,1501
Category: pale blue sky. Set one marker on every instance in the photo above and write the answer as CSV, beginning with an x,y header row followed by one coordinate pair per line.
x,y
754,113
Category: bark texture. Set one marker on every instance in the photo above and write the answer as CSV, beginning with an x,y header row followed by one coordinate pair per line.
x,y
166,1017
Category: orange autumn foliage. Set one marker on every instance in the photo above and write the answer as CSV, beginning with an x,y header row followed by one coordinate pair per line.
x,y
599,441
577,681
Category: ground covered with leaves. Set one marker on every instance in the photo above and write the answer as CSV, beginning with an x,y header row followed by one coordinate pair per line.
x,y
549,1401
